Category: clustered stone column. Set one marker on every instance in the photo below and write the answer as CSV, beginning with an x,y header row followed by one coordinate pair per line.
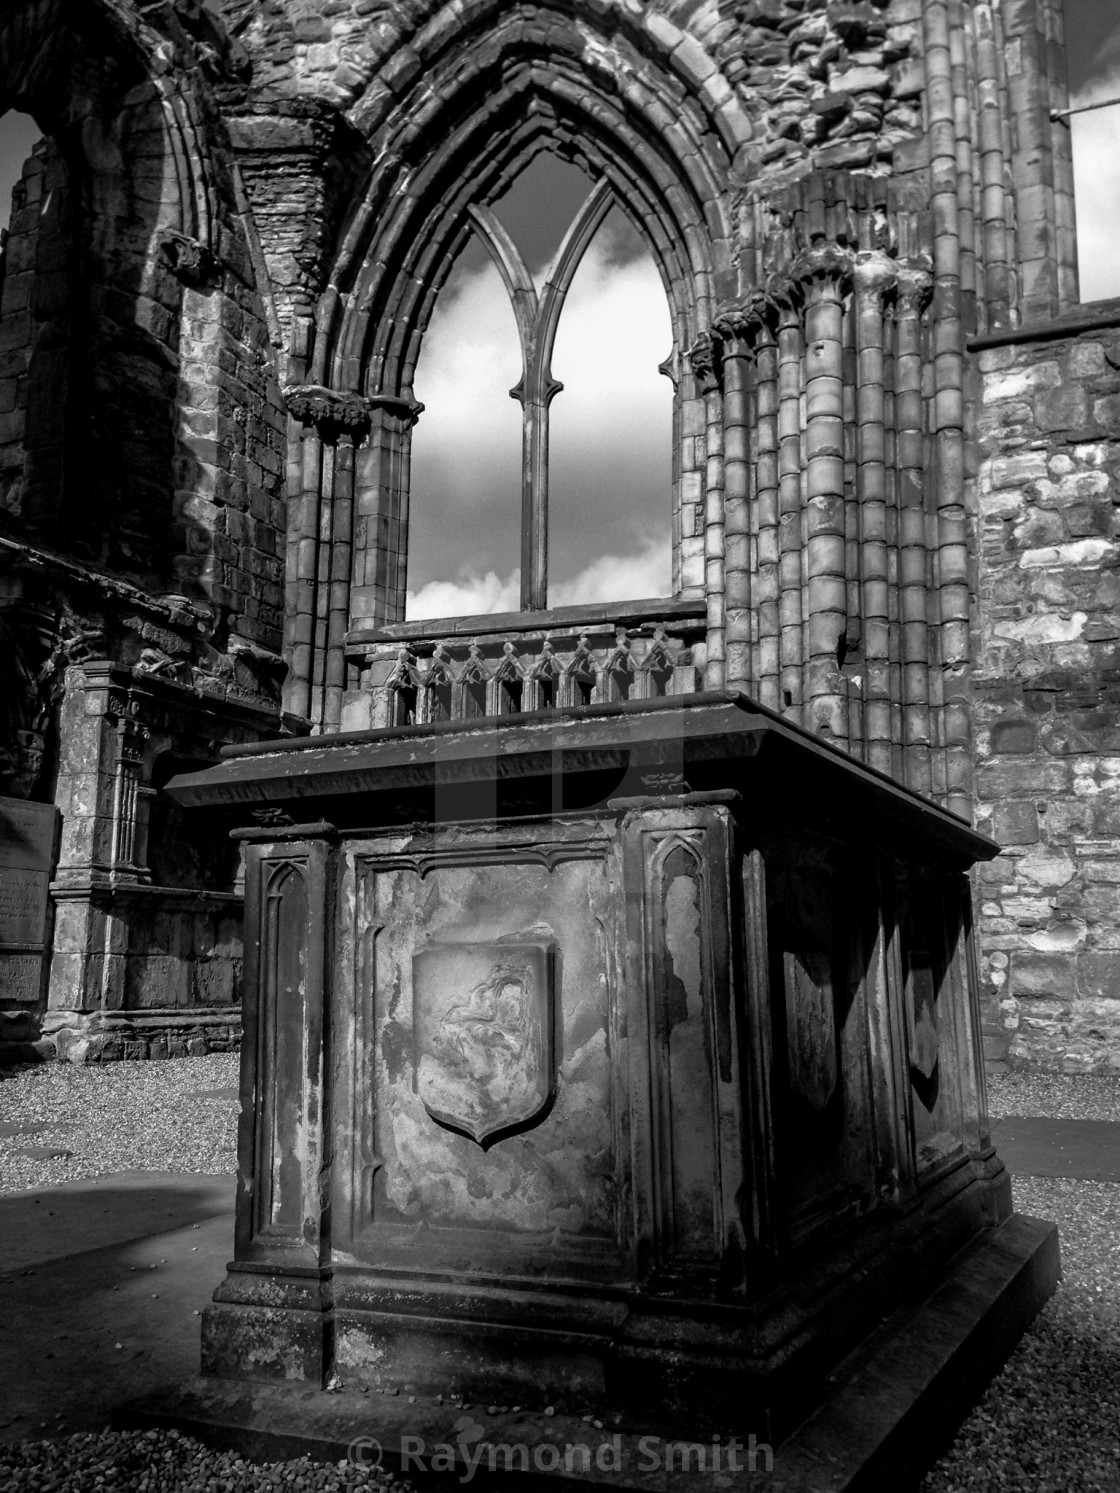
x,y
840,559
321,548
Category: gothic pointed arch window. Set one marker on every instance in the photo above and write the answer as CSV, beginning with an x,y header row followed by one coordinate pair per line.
x,y
523,227
554,299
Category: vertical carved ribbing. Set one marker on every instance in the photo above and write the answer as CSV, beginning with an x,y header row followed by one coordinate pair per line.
x,y
825,270
963,76
320,542
338,601
874,275
703,361
767,664
890,481
322,583
993,198
914,290
381,511
736,506
948,415
849,655
786,297
304,548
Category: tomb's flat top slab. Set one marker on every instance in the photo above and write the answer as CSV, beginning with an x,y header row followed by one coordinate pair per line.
x,y
585,758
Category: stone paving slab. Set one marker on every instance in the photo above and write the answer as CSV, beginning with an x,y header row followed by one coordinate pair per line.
x,y
1030,1146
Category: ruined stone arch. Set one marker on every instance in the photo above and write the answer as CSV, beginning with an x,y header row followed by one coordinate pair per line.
x,y
490,90
127,105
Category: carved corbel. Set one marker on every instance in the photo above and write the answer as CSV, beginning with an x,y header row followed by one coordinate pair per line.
x,y
875,275
191,262
332,414
704,359
914,289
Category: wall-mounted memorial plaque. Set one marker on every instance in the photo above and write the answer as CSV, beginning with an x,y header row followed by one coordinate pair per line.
x,y
28,840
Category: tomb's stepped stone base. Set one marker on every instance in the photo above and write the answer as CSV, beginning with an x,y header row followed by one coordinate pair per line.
x,y
892,1407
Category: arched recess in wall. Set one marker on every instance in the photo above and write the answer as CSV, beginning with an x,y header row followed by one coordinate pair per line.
x,y
492,97
125,183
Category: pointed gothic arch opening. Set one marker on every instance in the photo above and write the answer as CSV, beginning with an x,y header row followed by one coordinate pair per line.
x,y
443,162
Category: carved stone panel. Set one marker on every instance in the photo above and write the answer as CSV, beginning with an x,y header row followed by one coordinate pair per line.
x,y
483,1027
485,1038
931,940
822,934
28,836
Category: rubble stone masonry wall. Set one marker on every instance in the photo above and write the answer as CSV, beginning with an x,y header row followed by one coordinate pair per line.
x,y
1048,698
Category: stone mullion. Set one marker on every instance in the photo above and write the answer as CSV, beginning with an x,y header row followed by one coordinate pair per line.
x,y
736,477
913,581
767,665
873,275
826,271
791,348
703,360
338,585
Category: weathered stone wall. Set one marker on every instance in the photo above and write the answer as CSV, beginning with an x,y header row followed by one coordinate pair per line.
x,y
901,540
141,452
1048,697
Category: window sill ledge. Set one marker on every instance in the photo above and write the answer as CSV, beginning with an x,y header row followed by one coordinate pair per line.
x,y
1095,316
574,619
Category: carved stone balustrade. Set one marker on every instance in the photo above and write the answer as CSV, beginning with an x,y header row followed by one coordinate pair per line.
x,y
409,673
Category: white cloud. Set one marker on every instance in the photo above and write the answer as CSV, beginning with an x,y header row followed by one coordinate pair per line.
x,y
609,578
466,596
1096,175
619,578
611,439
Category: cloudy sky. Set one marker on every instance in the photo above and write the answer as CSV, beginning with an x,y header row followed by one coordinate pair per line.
x,y
611,426
1093,62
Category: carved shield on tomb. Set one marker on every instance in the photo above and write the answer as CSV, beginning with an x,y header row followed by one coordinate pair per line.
x,y
483,1019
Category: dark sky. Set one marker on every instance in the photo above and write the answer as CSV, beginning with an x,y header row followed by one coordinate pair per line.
x,y
18,133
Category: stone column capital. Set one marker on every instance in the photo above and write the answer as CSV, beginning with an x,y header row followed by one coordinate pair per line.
x,y
874,274
915,283
742,325
825,267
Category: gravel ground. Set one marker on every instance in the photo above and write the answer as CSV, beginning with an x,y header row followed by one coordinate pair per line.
x,y
1055,1096
1049,1423
120,1117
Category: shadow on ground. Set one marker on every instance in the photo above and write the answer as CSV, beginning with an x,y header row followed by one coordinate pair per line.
x,y
100,1283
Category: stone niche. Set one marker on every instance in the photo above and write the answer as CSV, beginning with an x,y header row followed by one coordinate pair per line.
x,y
624,1060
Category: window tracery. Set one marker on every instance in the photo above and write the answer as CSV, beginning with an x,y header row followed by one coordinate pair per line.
x,y
614,461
